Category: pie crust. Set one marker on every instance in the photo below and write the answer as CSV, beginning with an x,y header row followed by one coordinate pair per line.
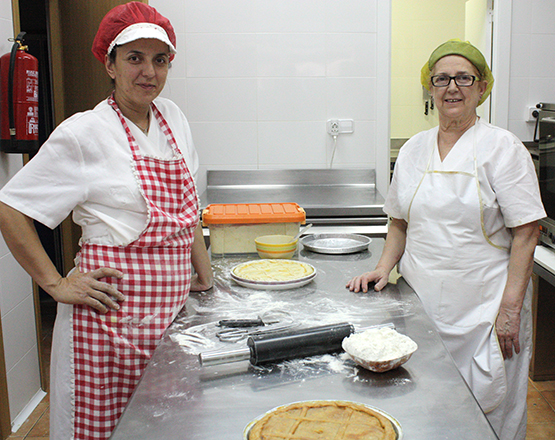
x,y
323,420
273,270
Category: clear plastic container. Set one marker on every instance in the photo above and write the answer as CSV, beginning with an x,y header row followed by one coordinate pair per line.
x,y
234,227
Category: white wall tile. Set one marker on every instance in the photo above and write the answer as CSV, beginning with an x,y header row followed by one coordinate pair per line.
x,y
291,55
520,47
351,15
291,99
178,67
351,98
226,143
6,31
541,58
221,55
219,16
6,11
221,99
18,327
172,9
291,16
252,66
520,92
15,284
523,11
176,90
540,90
542,13
355,148
23,382
292,143
349,55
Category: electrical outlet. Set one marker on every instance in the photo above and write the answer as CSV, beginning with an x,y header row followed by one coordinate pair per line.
x,y
532,114
338,126
333,127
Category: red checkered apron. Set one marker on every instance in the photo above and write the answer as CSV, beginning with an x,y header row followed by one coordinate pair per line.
x,y
110,352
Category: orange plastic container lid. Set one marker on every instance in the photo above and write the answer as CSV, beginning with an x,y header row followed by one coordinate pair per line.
x,y
251,213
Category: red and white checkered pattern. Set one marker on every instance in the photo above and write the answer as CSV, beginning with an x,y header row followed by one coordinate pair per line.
x,y
112,350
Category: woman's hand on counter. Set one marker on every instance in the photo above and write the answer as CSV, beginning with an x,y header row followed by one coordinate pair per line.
x,y
87,289
198,286
377,279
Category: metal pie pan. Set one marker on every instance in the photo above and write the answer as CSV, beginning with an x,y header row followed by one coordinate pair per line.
x,y
394,422
336,243
274,285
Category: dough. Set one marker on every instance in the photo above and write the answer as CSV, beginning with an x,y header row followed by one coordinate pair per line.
x,y
273,270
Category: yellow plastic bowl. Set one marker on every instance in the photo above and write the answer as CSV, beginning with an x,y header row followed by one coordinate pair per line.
x,y
275,246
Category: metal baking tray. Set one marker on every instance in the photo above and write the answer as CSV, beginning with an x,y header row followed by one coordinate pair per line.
x,y
336,243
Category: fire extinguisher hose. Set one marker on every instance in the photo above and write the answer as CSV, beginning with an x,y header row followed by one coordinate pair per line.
x,y
15,48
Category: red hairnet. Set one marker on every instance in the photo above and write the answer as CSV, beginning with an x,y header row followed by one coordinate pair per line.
x,y
123,16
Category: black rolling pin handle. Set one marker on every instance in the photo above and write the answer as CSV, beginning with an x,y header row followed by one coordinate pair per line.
x,y
300,343
238,323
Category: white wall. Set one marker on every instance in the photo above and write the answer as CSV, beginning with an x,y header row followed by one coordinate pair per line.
x,y
258,79
532,62
16,291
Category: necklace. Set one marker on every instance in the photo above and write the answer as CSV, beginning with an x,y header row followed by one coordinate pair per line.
x,y
144,130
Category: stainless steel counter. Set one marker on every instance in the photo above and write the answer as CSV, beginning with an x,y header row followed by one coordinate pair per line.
x,y
177,398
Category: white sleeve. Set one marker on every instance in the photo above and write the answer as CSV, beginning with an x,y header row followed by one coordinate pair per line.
x,y
516,186
52,183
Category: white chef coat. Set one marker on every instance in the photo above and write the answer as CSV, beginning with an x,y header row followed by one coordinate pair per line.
x,y
507,176
85,166
458,247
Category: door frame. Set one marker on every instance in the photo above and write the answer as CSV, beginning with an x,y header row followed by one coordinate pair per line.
x,y
501,61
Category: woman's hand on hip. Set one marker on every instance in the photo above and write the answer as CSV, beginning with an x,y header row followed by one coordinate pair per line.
x,y
87,289
377,279
507,327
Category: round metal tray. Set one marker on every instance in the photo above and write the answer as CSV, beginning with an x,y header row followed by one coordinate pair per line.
x,y
396,425
336,243
273,285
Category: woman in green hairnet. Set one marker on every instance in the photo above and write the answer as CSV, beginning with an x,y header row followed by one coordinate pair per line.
x,y
464,203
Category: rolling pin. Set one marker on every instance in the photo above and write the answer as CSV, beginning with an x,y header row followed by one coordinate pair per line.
x,y
275,347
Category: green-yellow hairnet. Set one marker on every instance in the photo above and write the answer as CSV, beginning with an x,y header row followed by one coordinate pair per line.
x,y
464,49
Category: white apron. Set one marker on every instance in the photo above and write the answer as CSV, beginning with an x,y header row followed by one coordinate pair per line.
x,y
457,270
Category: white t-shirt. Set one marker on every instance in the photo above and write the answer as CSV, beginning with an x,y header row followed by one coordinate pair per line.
x,y
86,167
508,182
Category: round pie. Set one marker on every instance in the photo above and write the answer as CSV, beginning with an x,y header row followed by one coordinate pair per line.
x,y
273,270
323,420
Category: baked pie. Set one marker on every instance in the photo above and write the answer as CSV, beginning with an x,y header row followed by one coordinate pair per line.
x,y
323,420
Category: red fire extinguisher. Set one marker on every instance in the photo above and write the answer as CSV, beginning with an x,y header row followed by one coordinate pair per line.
x,y
19,117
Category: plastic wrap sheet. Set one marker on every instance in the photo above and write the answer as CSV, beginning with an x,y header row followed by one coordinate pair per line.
x,y
323,301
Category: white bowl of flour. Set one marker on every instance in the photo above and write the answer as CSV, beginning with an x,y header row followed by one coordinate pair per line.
x,y
379,349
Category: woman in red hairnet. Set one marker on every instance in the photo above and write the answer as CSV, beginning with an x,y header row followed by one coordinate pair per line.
x,y
126,169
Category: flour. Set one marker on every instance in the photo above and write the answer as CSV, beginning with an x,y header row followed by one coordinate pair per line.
x,y
379,345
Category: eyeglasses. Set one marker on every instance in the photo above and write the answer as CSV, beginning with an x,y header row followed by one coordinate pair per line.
x,y
462,80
